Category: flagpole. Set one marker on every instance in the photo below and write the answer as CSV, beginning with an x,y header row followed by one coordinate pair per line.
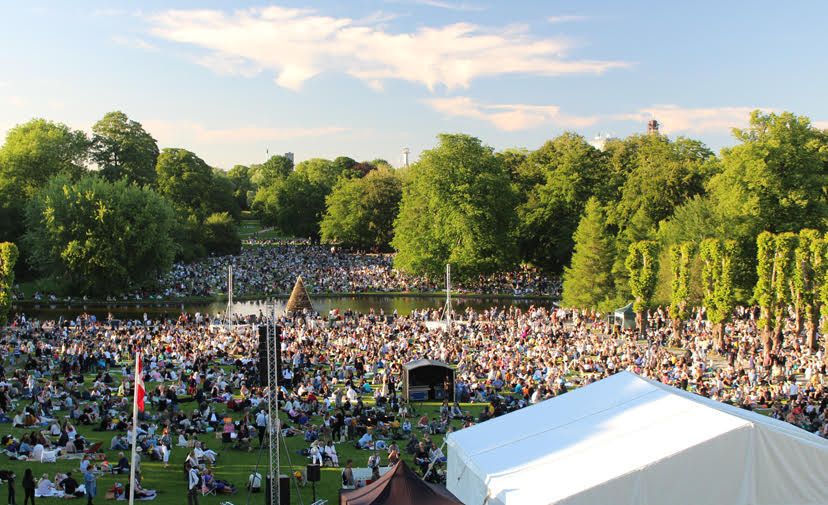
x,y
134,429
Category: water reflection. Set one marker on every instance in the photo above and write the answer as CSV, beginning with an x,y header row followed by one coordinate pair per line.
x,y
402,304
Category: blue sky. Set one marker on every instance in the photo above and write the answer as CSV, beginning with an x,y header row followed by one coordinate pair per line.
x,y
230,80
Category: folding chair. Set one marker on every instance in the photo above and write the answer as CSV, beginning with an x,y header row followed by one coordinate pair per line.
x,y
205,490
226,439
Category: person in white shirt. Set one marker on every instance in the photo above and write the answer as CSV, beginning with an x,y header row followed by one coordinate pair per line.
x,y
193,485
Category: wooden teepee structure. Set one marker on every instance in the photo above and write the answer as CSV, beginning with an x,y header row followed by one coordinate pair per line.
x,y
299,298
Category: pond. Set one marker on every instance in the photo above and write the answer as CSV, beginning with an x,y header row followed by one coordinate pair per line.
x,y
323,304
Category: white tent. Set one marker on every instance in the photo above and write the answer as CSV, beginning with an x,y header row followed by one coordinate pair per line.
x,y
631,440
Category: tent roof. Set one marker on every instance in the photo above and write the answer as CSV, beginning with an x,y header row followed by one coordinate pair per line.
x,y
299,298
626,309
400,486
627,439
411,365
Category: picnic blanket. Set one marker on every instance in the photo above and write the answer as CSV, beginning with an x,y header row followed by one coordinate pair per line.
x,y
151,496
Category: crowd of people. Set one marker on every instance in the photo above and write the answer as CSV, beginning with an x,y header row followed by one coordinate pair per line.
x,y
506,358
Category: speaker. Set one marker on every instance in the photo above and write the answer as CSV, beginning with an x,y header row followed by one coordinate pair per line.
x,y
277,341
284,490
314,473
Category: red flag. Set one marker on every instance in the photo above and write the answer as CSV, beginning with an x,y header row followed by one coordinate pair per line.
x,y
139,383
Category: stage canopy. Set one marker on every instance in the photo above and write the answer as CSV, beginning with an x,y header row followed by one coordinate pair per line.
x,y
426,379
631,440
400,486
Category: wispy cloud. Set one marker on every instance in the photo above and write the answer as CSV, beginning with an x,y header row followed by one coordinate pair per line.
x,y
109,12
822,125
564,19
182,133
676,119
673,119
298,44
508,117
463,6
133,42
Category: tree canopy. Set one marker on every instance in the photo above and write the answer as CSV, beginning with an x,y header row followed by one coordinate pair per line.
x,y
457,207
122,149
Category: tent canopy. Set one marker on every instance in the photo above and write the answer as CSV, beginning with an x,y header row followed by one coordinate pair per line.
x,y
425,379
400,486
625,317
627,439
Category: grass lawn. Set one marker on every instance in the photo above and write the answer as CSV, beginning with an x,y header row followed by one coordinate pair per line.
x,y
231,465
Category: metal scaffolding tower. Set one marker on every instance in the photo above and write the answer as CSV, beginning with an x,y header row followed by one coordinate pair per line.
x,y
447,310
228,312
274,429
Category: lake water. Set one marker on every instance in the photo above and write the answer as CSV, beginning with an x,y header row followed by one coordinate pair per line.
x,y
323,304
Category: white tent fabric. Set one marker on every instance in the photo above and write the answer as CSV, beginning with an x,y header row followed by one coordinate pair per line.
x,y
631,440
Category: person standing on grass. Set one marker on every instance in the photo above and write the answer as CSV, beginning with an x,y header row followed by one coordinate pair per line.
x,y
90,483
28,487
11,489
193,484
261,425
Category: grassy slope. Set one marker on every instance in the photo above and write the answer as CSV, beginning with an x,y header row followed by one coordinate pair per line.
x,y
234,466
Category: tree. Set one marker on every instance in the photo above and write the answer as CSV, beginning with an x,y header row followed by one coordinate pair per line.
x,y
588,280
457,207
242,185
185,180
718,284
572,172
772,181
775,270
275,169
34,152
681,257
642,265
361,212
99,237
122,149
810,272
8,258
221,235
221,195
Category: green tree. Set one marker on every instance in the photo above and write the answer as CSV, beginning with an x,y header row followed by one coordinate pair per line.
x,y
572,172
681,258
8,258
221,195
242,185
361,212
122,149
185,180
772,181
221,235
275,169
718,284
810,272
457,207
99,237
642,265
775,271
587,282
34,152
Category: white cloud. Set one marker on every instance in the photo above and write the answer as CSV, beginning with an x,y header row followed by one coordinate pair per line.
x,y
508,117
564,19
822,125
133,42
675,119
299,44
183,133
450,5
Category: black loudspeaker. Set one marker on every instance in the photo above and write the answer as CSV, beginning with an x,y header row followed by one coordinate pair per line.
x,y
314,473
284,490
277,341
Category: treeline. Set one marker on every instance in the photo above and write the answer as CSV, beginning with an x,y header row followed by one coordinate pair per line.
x,y
461,203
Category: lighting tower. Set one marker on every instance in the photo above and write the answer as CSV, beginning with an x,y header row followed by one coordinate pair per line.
x,y
405,156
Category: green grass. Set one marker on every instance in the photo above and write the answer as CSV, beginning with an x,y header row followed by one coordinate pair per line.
x,y
232,465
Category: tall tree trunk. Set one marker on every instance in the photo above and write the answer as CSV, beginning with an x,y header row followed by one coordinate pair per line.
x,y
778,338
641,322
718,336
798,320
677,325
813,324
766,339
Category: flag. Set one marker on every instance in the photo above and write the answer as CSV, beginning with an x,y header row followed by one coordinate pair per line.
x,y
139,383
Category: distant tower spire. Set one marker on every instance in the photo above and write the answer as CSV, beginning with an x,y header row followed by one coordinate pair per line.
x,y
652,127
405,156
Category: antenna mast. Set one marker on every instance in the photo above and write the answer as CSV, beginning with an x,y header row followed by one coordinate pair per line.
x,y
229,311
